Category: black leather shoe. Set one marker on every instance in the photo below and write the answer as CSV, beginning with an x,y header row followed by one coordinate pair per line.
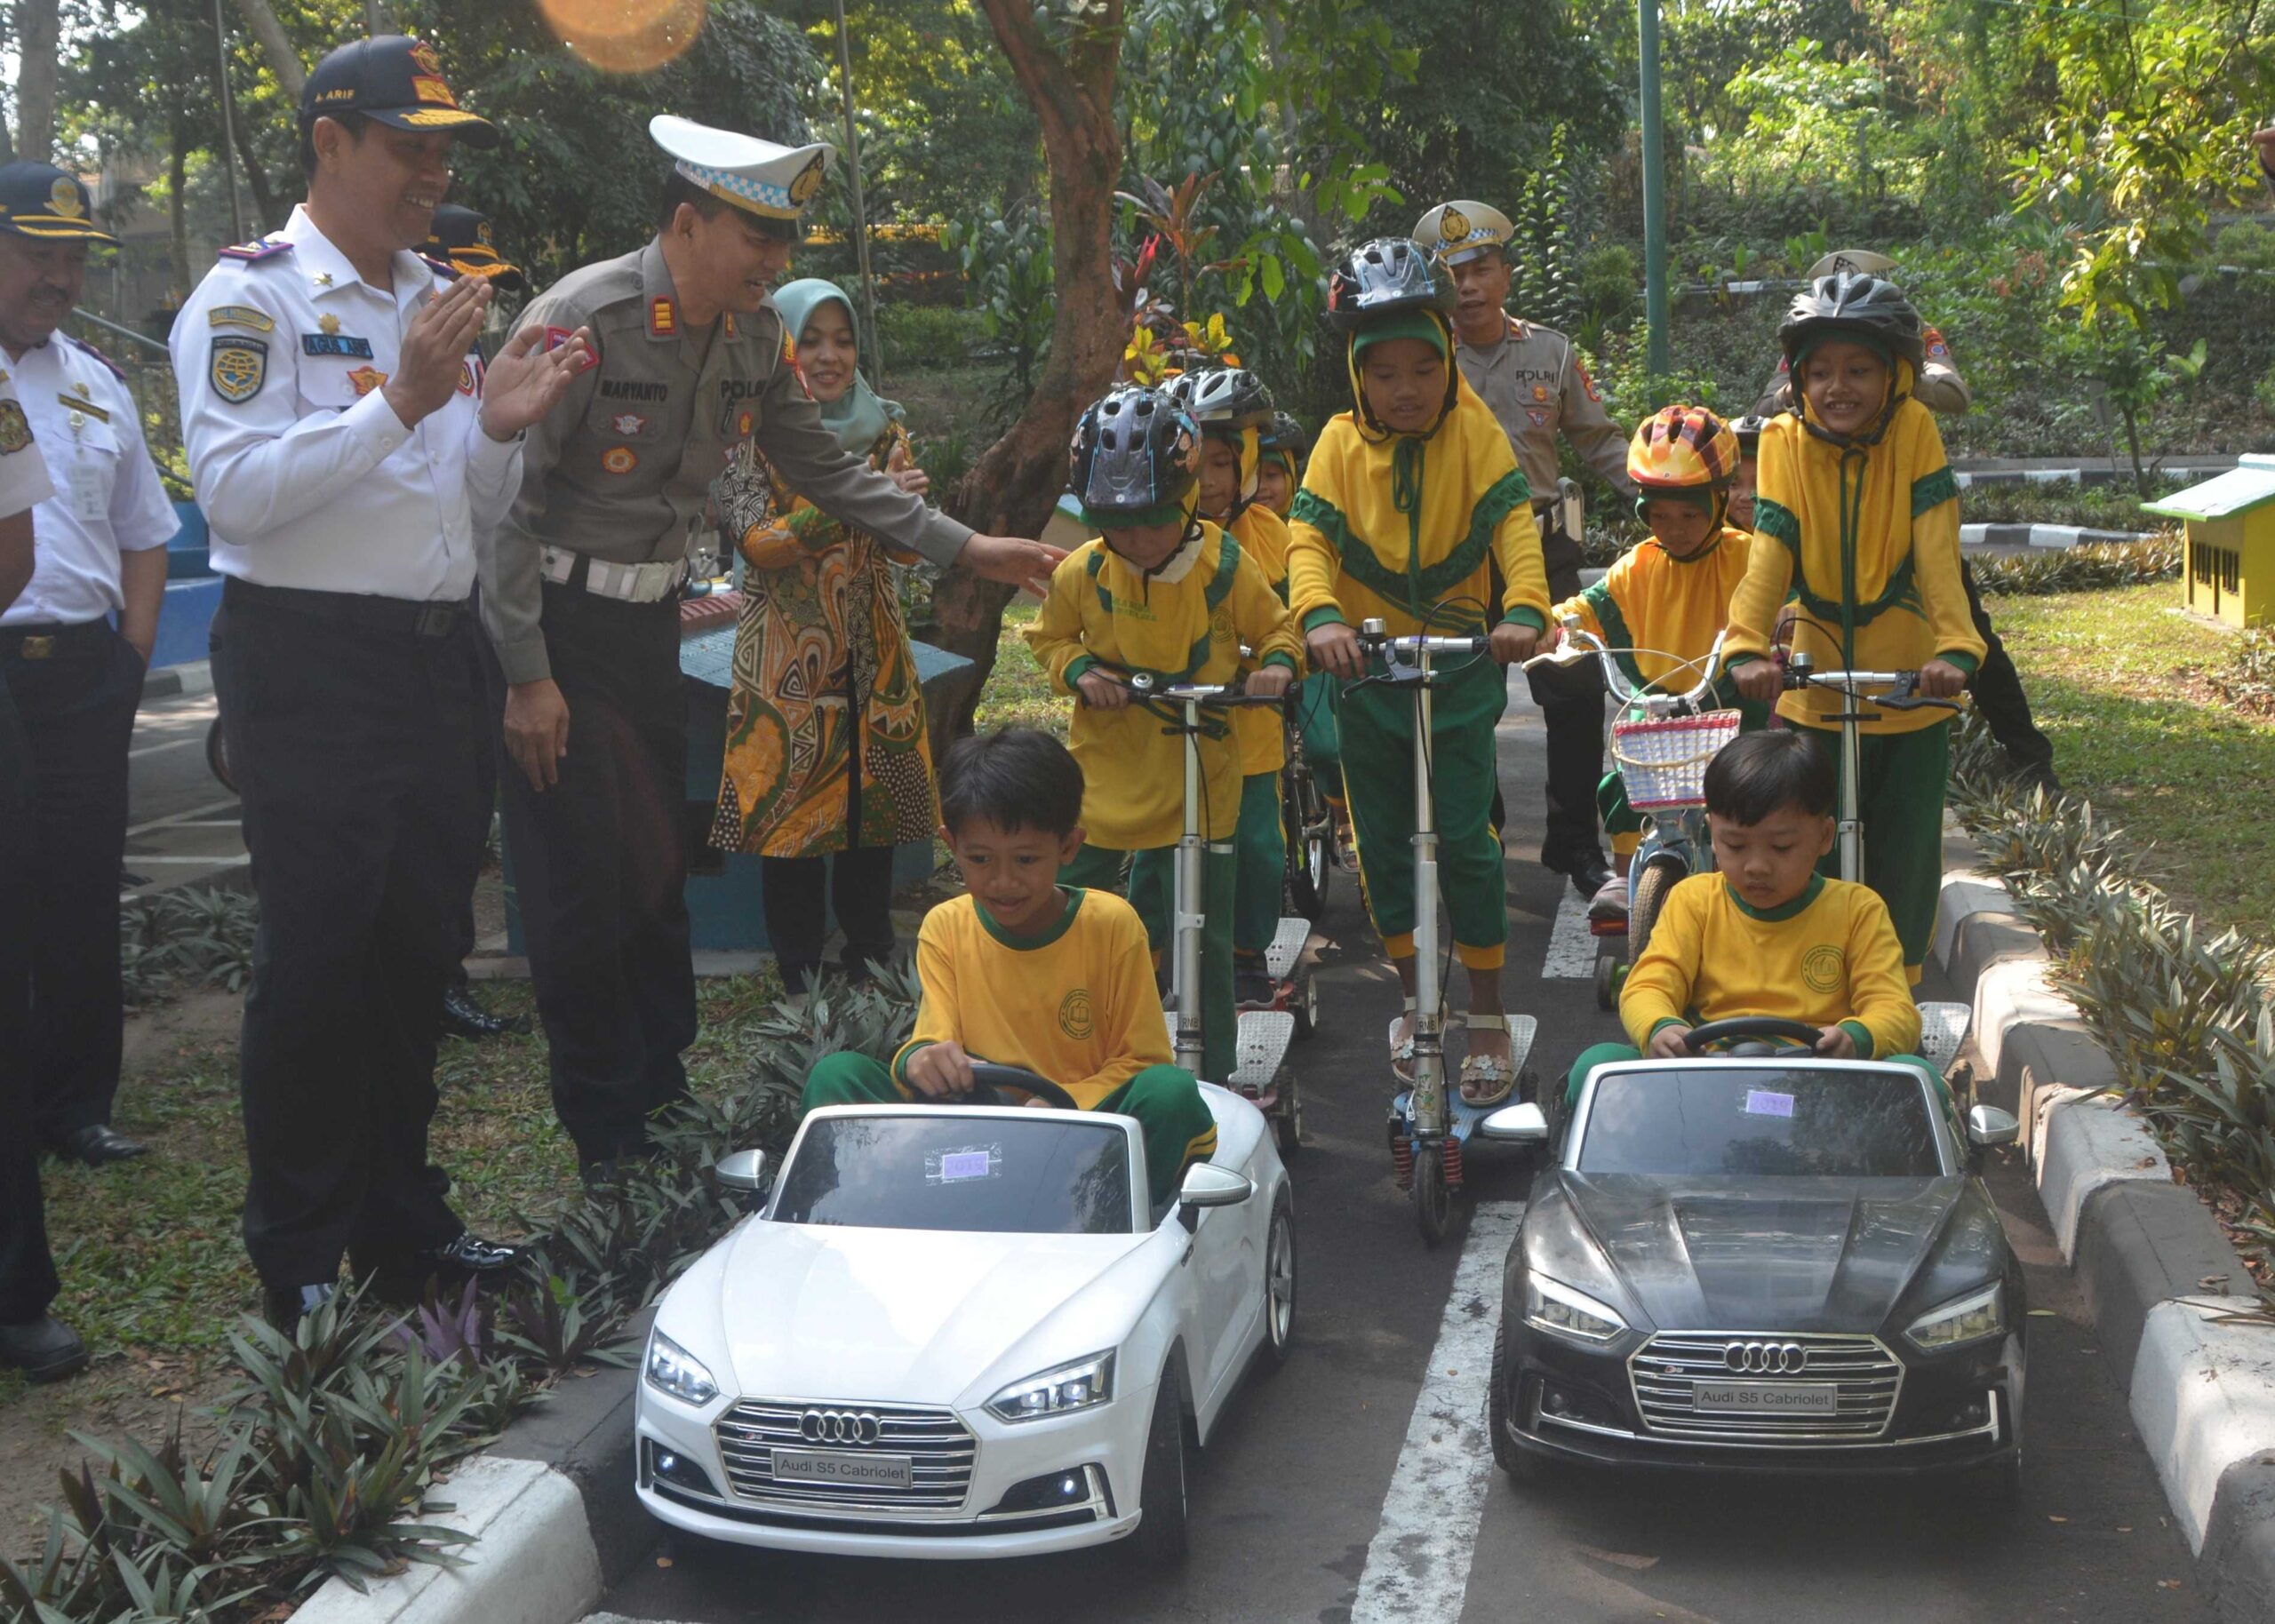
x,y
462,1017
1585,868
284,1306
100,1144
468,1256
44,1349
403,1280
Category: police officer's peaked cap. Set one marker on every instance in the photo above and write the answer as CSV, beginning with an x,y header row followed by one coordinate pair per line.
x,y
1463,230
1862,261
770,183
397,81
39,200
462,238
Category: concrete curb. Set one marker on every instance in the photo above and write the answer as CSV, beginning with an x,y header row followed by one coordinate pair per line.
x,y
2156,1271
2042,535
552,1509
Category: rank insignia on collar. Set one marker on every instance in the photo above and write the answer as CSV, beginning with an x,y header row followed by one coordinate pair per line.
x,y
730,324
628,424
240,315
238,368
15,429
74,403
663,318
619,459
336,344
323,279
366,379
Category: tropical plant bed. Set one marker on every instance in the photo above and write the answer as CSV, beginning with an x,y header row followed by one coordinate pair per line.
x,y
2145,706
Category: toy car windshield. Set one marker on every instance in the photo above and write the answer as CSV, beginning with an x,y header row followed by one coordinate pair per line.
x,y
1777,1121
1055,1175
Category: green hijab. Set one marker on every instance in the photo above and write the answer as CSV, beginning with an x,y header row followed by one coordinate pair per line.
x,y
859,417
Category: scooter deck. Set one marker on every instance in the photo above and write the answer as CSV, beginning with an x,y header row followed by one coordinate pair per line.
x,y
1461,1116
1260,1047
1943,1033
1287,948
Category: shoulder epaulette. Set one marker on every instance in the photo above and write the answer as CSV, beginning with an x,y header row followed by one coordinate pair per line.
x,y
255,251
442,268
117,371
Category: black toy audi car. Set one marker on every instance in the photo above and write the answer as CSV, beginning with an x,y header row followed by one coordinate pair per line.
x,y
1761,1263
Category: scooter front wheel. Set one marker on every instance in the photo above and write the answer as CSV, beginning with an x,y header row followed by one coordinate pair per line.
x,y
1434,1199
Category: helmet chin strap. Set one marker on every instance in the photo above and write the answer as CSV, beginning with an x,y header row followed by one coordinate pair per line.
x,y
1871,436
1372,427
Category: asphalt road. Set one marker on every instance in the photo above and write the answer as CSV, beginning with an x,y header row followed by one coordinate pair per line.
x,y
1330,1495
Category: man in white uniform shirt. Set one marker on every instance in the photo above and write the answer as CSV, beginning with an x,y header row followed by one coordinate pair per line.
x,y
346,456
32,1341
99,551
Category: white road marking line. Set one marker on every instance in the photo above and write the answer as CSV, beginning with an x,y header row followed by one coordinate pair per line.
x,y
135,859
183,817
1417,1564
139,750
1571,945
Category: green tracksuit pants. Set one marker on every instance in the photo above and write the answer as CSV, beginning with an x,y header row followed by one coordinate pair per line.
x,y
1260,853
1167,1102
1901,779
1152,890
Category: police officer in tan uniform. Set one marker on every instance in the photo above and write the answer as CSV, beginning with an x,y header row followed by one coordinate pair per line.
x,y
1538,388
1996,686
580,592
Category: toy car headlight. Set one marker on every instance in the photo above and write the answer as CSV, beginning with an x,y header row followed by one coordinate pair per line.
x,y
1057,1391
1555,1308
1964,1319
671,1369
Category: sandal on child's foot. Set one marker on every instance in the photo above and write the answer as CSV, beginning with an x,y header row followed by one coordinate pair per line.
x,y
1402,1049
1487,1080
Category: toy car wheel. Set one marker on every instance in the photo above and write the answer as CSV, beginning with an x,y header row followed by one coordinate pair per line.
x,y
1608,979
1279,1286
1160,1537
1660,876
1496,1404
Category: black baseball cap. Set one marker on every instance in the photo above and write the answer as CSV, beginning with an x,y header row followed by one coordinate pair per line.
x,y
461,237
39,200
397,80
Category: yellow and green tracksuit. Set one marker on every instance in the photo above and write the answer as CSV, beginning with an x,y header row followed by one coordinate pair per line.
x,y
1183,623
1260,841
1828,958
1864,540
1396,527
1669,609
1073,1004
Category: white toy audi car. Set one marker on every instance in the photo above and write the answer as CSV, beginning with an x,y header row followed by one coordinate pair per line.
x,y
960,1332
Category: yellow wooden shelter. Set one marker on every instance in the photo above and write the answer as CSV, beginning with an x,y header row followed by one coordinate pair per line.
x,y
2230,523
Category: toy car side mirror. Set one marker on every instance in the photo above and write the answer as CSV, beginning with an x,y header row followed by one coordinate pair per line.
x,y
1987,1125
742,1170
1208,1185
1516,1125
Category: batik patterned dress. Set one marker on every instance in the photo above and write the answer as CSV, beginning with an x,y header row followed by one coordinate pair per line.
x,y
826,743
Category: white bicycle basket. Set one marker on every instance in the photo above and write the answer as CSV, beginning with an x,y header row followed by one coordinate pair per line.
x,y
1663,759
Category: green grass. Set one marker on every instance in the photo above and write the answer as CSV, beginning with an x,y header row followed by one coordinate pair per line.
x,y
2117,681
151,1253
1017,692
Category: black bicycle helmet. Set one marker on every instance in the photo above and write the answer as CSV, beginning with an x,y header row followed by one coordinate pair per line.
x,y
1227,398
1852,304
1385,275
1748,429
1135,453
1285,435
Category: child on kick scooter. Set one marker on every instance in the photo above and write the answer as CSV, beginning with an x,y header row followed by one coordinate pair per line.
x,y
1768,934
1858,516
1023,971
1666,598
1279,475
1164,592
1233,407
1407,497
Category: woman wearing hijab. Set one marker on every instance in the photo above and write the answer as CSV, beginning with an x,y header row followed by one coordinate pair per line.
x,y
826,763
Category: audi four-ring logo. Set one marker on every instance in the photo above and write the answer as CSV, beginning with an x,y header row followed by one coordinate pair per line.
x,y
838,1426
1765,1359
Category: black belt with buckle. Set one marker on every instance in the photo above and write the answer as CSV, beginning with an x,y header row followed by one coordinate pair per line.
x,y
44,641
398,617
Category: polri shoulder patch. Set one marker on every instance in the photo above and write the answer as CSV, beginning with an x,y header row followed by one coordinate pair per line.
x,y
259,250
238,368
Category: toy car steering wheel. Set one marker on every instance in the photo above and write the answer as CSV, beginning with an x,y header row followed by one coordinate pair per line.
x,y
992,1079
1740,1027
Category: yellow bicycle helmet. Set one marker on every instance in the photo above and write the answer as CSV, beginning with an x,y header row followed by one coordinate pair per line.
x,y
1683,449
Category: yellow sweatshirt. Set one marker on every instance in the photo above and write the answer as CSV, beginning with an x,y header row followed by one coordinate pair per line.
x,y
1670,608
1829,957
1866,541
1184,624
1075,1004
1390,528
1262,734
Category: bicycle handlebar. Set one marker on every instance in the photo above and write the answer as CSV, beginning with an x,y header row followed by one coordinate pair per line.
x,y
1578,638
1900,685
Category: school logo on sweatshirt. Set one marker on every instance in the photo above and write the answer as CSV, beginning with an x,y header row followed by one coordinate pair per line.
x,y
1075,1018
1824,968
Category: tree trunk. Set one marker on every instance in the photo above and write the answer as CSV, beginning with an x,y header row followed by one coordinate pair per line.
x,y
275,44
178,212
1012,488
37,40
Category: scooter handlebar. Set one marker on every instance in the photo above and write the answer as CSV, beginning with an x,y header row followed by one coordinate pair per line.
x,y
1898,686
1144,687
